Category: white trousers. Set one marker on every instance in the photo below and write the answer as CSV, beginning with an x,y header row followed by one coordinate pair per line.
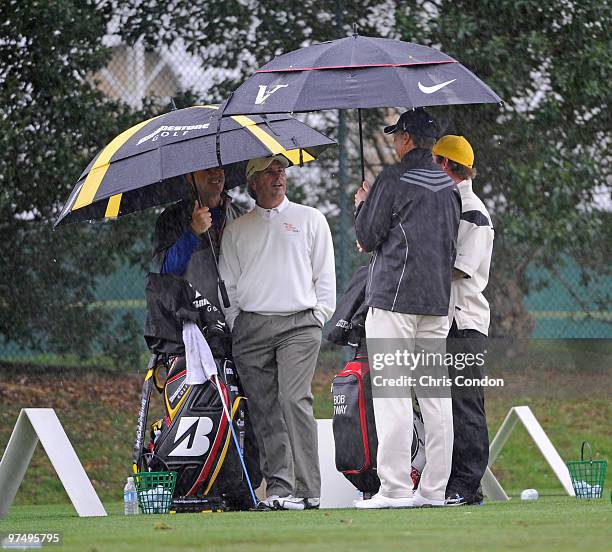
x,y
394,415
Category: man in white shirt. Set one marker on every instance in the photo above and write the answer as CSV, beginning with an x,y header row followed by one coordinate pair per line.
x,y
469,319
278,265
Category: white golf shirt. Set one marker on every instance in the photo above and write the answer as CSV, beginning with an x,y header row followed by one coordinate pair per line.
x,y
279,261
468,305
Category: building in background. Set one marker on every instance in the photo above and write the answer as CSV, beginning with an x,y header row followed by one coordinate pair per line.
x,y
135,73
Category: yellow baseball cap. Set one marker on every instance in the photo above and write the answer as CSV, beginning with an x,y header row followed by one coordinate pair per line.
x,y
262,163
455,148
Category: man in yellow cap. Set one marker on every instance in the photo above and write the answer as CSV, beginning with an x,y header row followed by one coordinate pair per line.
x,y
469,320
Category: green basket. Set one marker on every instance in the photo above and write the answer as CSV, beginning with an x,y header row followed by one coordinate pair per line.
x,y
588,476
155,490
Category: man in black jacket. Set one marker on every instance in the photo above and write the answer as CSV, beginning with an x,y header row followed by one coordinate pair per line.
x,y
409,219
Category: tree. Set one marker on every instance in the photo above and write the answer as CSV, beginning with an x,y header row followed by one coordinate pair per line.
x,y
52,122
542,158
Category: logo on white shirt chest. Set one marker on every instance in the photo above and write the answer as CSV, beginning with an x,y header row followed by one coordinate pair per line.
x,y
288,227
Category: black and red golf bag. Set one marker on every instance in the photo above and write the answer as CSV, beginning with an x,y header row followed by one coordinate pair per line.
x,y
193,436
353,421
354,427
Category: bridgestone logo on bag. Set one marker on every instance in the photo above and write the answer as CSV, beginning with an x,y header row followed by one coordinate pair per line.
x,y
191,436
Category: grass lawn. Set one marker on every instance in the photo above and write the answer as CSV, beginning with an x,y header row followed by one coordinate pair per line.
x,y
551,523
99,411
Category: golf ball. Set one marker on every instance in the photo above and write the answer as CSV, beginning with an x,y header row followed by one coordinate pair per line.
x,y
530,494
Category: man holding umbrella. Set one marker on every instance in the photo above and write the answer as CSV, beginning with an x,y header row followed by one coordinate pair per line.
x,y
409,218
278,265
188,234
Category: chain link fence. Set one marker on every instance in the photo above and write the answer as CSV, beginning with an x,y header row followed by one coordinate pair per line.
x,y
562,302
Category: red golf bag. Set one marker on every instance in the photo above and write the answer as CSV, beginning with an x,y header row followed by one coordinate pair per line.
x,y
354,427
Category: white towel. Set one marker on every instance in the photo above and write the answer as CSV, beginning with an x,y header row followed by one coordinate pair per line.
x,y
200,362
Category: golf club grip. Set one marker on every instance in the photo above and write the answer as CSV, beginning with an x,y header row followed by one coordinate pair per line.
x,y
224,295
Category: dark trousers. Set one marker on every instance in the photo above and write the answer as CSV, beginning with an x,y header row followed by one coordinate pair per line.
x,y
471,441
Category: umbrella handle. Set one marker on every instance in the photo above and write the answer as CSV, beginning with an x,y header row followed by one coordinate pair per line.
x,y
224,295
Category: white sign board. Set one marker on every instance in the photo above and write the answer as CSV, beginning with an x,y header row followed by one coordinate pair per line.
x,y
491,488
336,491
42,424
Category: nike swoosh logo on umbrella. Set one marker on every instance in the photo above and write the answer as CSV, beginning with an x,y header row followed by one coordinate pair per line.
x,y
435,88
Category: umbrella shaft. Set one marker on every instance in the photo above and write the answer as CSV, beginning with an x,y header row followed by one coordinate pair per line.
x,y
220,282
361,147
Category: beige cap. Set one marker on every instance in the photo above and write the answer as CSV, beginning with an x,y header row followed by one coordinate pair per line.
x,y
262,163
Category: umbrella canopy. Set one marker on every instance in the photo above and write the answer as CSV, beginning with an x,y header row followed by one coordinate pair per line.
x,y
143,166
358,72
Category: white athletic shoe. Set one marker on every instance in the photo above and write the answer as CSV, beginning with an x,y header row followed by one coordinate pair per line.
x,y
290,502
419,501
268,502
379,501
296,503
312,503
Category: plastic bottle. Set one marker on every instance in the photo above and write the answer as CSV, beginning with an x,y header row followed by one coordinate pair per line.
x,y
529,494
130,498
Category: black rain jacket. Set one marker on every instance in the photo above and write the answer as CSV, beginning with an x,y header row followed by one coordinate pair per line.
x,y
410,221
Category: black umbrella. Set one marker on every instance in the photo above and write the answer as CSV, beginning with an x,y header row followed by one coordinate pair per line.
x,y
358,72
145,165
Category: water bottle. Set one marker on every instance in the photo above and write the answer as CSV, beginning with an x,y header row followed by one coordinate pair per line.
x,y
130,498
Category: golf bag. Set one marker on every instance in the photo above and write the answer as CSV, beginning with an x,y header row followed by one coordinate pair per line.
x,y
193,437
354,427
353,423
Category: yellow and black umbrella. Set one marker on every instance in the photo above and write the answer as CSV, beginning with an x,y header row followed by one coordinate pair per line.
x,y
143,166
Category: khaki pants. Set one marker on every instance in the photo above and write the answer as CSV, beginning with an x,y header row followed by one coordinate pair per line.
x,y
276,357
392,415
